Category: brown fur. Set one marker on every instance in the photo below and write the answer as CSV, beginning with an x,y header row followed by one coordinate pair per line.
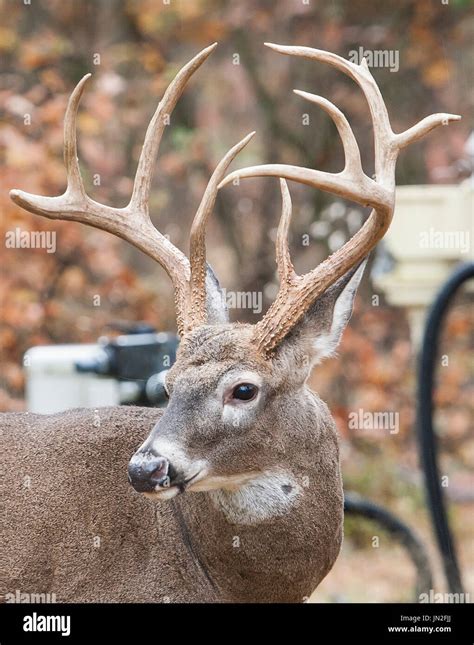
x,y
144,554
75,527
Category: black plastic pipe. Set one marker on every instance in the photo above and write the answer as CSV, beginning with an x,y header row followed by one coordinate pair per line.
x,y
427,440
356,505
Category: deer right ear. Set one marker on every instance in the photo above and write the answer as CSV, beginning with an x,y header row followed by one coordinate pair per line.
x,y
216,306
317,335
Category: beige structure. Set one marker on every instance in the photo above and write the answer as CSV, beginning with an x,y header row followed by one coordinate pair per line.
x,y
432,230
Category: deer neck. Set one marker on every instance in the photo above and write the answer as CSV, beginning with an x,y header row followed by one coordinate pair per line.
x,y
275,537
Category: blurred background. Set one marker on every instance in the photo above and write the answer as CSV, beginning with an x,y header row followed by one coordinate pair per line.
x,y
133,49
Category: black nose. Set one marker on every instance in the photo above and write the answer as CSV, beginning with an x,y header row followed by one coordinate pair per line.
x,y
146,471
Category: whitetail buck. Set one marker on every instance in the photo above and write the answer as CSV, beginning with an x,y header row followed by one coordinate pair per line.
x,y
252,447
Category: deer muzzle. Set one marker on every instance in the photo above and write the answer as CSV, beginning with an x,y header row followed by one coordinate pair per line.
x,y
148,472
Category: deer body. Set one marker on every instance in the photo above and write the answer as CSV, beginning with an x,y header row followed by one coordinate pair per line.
x,y
241,470
76,528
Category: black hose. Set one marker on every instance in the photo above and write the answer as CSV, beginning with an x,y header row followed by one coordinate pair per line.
x,y
356,505
427,440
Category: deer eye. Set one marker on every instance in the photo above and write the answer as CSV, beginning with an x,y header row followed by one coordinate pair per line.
x,y
244,391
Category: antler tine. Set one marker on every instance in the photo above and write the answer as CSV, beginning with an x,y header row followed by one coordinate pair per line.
x,y
154,133
298,293
197,242
131,223
423,127
73,172
284,265
51,206
349,143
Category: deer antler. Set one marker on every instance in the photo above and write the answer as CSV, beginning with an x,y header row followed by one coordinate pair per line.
x,y
133,223
297,293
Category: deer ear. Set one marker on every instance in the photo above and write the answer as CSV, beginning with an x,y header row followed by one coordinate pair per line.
x,y
216,306
317,335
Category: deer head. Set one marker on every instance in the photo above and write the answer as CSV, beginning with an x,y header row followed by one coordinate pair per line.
x,y
241,419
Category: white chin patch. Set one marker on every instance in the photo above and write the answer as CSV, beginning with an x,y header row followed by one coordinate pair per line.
x,y
204,482
262,498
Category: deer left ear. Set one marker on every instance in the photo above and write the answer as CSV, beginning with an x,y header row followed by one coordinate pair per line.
x,y
319,332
